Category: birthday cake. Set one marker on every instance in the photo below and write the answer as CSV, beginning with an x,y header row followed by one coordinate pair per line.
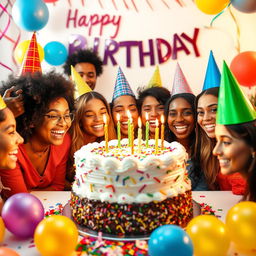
x,y
121,193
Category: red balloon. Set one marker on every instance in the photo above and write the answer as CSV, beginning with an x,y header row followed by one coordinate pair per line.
x,y
243,67
50,1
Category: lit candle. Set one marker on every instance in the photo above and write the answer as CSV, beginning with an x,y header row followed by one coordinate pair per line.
x,y
129,127
156,137
118,130
147,130
105,131
162,132
132,137
139,136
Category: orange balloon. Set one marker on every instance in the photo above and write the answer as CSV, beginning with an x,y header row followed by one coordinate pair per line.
x,y
56,236
4,251
212,6
2,230
243,67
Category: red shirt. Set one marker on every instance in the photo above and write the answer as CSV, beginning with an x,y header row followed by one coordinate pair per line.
x,y
234,182
25,177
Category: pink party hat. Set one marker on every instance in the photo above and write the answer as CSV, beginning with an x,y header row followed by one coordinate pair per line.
x,y
180,84
122,86
31,61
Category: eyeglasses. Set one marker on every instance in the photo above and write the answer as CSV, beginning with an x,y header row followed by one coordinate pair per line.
x,y
68,118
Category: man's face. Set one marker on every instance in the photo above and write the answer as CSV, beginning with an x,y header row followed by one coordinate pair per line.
x,y
88,72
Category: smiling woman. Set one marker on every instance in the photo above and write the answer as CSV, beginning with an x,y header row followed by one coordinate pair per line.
x,y
41,164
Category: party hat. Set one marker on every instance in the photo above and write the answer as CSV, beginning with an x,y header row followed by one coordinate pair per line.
x,y
122,86
81,87
31,61
233,105
2,103
180,84
212,77
155,81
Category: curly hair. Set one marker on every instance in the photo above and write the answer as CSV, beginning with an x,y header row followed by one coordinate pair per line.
x,y
38,91
87,55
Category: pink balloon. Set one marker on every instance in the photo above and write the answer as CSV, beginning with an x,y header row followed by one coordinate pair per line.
x,y
21,214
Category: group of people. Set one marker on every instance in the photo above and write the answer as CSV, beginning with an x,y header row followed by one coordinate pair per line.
x,y
46,126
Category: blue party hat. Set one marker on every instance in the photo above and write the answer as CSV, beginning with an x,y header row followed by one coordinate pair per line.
x,y
122,86
212,77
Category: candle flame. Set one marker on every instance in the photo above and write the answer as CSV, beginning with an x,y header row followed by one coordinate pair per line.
x,y
104,119
139,122
157,123
118,117
129,115
147,116
162,119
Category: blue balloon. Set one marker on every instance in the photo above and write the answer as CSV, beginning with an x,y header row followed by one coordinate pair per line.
x,y
30,15
247,6
170,240
55,53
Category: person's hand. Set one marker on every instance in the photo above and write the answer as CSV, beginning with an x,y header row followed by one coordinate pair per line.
x,y
15,104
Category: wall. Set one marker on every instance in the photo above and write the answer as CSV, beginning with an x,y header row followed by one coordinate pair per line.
x,y
165,19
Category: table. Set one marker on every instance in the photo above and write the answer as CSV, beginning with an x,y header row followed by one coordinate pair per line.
x,y
221,202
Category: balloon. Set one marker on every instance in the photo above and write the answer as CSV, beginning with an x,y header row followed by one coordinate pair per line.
x,y
247,6
55,53
21,214
56,236
208,235
170,240
50,1
212,6
241,225
243,67
30,15
2,230
4,251
21,50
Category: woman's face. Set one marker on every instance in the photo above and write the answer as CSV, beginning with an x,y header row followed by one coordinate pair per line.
x,y
56,122
9,141
206,114
234,154
181,118
92,122
154,109
120,106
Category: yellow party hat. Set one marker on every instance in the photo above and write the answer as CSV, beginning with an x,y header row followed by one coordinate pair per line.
x,y
155,81
2,103
81,87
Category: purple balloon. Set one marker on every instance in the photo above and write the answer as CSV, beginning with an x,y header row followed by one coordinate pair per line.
x,y
247,6
21,214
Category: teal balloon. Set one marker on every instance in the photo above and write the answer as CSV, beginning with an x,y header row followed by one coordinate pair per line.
x,y
247,6
55,53
170,240
212,76
30,15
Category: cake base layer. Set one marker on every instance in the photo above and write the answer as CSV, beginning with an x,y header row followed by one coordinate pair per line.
x,y
131,219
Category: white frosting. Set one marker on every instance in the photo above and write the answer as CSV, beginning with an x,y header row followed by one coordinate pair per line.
x,y
119,176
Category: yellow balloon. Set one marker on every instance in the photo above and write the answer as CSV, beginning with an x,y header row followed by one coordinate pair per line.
x,y
22,48
212,6
241,225
2,230
209,236
56,236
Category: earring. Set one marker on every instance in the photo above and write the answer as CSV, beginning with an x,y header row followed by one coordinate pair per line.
x,y
253,155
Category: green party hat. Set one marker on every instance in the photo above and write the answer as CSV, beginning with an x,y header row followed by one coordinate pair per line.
x,y
233,105
155,80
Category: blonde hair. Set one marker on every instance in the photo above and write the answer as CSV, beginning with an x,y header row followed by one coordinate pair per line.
x,y
77,134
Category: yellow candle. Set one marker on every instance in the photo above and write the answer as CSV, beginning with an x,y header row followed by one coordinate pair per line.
x,y
156,137
105,132
147,130
162,132
132,137
139,136
118,130
129,127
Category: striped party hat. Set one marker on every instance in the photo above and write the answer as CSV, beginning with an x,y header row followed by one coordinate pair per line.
x,y
122,86
180,84
31,61
155,80
81,87
2,103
